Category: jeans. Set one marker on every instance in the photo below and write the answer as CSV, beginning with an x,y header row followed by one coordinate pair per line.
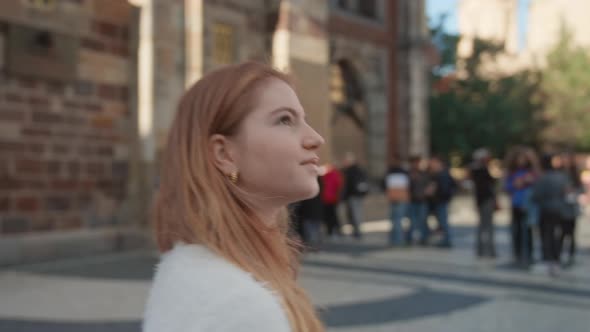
x,y
398,212
354,210
418,213
442,215
485,229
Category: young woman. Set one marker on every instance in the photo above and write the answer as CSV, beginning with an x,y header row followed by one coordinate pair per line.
x,y
239,151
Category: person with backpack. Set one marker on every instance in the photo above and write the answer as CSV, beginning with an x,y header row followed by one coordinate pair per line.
x,y
443,186
356,187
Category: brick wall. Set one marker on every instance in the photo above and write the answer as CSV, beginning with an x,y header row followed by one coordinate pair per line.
x,y
64,145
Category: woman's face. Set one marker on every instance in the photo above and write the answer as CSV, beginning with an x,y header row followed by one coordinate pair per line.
x,y
275,150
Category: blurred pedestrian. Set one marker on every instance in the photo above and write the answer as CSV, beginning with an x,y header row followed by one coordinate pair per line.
x,y
356,187
485,199
332,183
397,188
311,215
523,171
550,193
444,186
238,152
573,197
418,208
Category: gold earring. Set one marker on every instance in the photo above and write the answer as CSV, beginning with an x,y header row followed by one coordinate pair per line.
x,y
233,177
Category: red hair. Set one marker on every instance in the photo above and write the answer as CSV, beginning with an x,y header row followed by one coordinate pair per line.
x,y
197,204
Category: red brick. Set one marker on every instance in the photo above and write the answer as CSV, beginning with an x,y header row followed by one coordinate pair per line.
x,y
125,33
29,166
93,107
5,204
35,132
105,29
61,149
15,225
105,151
4,167
92,44
120,50
85,150
75,121
38,101
13,97
36,148
84,88
87,185
67,134
12,115
55,88
53,167
33,184
70,104
64,185
46,117
27,83
73,168
41,224
27,204
69,223
10,183
8,146
58,203
102,122
95,169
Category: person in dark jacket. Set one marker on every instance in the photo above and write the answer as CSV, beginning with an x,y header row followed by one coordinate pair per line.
x,y
444,187
356,187
485,199
310,214
569,167
550,194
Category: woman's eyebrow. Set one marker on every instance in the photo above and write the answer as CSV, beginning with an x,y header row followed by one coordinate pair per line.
x,y
288,109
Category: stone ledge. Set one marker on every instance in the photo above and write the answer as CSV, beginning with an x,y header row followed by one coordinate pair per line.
x,y
34,248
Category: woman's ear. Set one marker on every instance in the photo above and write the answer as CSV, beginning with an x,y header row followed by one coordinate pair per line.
x,y
221,149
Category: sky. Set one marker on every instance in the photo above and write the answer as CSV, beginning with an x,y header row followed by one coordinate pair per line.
x,y
434,8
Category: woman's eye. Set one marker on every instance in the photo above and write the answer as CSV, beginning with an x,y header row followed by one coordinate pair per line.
x,y
286,120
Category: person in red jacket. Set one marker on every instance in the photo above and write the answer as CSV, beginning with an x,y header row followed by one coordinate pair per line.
x,y
332,186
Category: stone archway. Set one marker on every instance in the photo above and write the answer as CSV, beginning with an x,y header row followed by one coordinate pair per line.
x,y
349,111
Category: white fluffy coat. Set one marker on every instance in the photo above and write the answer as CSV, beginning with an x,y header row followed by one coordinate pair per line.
x,y
195,290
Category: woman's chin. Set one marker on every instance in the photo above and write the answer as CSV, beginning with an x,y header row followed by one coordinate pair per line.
x,y
310,192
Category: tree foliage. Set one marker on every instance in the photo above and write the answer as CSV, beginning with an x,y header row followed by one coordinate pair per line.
x,y
566,85
475,110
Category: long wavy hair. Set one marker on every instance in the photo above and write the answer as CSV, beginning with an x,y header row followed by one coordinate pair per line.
x,y
197,204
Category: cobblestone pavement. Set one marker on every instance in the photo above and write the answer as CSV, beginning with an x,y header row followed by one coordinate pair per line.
x,y
357,285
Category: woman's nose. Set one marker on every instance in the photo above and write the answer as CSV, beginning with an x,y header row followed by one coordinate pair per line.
x,y
313,140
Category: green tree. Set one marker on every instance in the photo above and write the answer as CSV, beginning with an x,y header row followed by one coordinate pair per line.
x,y
474,110
566,85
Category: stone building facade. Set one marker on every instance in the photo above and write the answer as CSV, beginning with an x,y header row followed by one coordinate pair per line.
x,y
499,21
80,145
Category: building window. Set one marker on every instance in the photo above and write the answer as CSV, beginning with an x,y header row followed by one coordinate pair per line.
x,y
367,8
223,43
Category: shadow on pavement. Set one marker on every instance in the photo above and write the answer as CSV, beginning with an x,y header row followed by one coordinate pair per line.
x,y
423,303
